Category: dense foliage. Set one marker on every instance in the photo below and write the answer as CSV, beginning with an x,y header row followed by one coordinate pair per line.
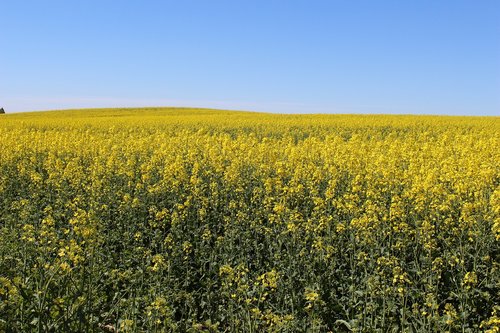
x,y
187,220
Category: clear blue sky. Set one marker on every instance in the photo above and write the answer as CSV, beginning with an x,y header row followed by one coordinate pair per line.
x,y
338,56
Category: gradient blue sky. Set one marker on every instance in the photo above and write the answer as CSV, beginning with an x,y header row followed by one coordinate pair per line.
x,y
335,56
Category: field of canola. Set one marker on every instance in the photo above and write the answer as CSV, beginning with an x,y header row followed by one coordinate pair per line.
x,y
192,220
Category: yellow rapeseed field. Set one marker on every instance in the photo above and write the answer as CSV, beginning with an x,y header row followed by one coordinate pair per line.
x,y
194,220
